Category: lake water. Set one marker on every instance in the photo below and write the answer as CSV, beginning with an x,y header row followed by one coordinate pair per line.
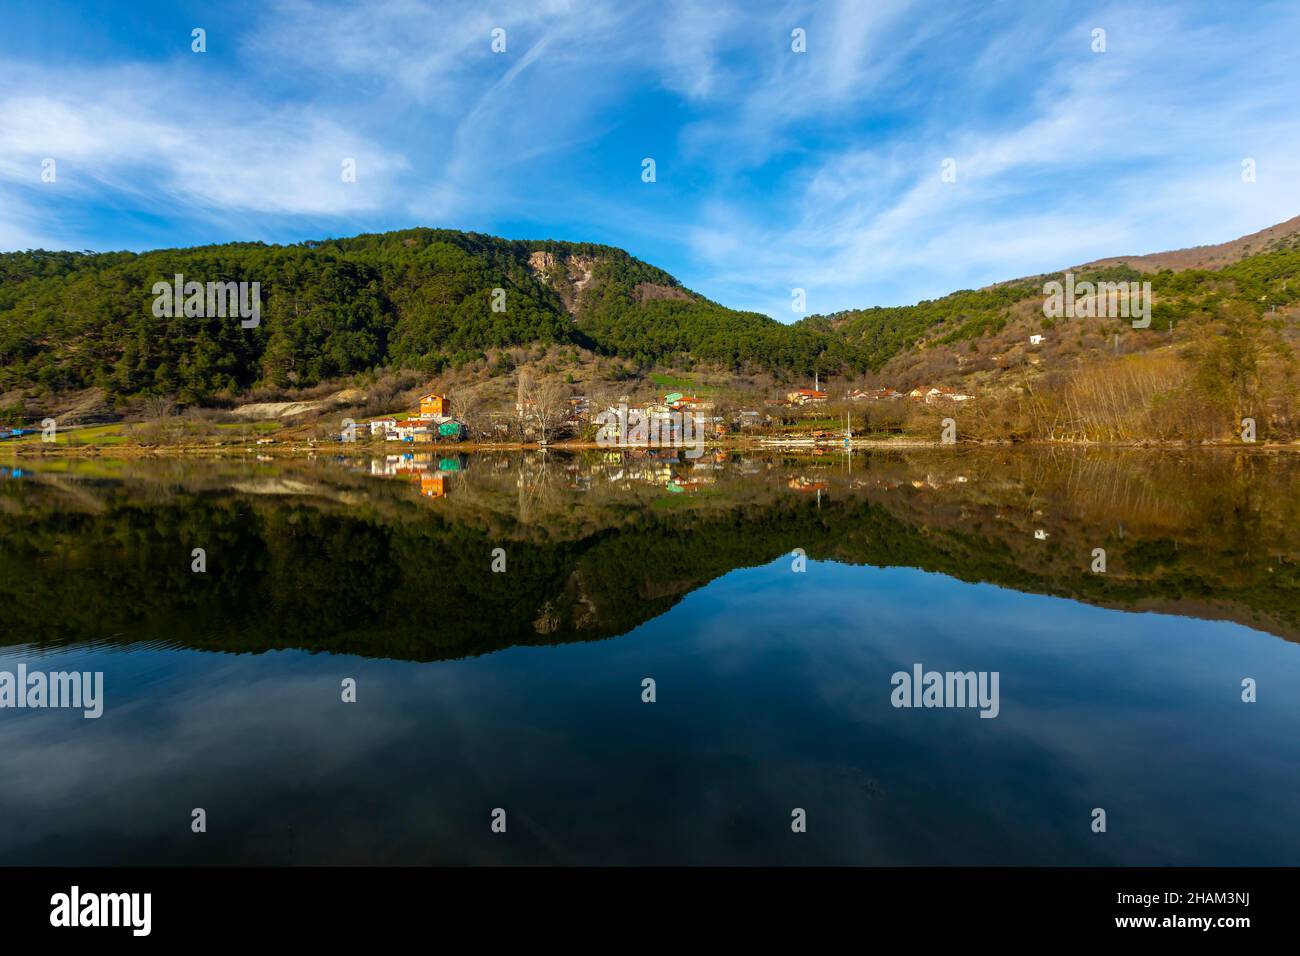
x,y
771,599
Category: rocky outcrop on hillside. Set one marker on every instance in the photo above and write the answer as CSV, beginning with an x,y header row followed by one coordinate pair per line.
x,y
566,275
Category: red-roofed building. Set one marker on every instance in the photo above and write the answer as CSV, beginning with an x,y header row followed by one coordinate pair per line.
x,y
805,395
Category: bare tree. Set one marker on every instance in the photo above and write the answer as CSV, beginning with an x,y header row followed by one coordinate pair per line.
x,y
159,408
550,407
469,408
158,411
523,403
540,406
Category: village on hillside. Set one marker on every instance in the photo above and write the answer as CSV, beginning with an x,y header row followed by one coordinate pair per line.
x,y
571,417
433,420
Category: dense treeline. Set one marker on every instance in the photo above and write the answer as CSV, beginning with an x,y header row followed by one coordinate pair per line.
x,y
418,299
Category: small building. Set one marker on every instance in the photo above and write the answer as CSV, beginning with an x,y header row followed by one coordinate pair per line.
x,y
409,430
805,396
1035,340
434,405
382,425
935,394
452,430
874,394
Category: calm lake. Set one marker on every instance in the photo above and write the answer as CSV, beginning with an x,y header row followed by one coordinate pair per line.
x,y
502,614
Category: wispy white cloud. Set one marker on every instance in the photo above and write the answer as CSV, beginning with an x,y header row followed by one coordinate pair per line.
x,y
124,136
1110,156
777,169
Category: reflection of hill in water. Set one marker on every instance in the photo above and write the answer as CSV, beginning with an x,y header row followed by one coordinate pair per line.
x,y
324,557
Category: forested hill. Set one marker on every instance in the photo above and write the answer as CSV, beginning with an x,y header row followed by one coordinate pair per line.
x,y
423,299
1257,270
418,298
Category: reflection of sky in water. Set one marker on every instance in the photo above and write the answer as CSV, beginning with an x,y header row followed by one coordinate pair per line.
x,y
773,693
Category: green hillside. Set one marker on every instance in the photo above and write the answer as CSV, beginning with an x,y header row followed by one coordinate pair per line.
x,y
422,299
1261,282
419,298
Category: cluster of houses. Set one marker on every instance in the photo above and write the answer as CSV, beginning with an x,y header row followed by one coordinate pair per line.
x,y
430,421
665,415
675,402
928,395
925,394
579,410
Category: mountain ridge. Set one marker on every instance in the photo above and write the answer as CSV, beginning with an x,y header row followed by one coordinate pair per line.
x,y
426,299
1282,235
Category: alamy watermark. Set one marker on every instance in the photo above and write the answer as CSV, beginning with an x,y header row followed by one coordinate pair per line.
x,y
1102,300
129,910
922,688
209,300
624,426
78,690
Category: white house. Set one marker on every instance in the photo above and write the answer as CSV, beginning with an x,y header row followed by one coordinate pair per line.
x,y
1035,340
408,430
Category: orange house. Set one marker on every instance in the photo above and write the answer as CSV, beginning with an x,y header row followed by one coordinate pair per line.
x,y
434,405
431,485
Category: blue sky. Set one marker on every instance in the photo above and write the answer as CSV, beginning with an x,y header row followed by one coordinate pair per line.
x,y
775,170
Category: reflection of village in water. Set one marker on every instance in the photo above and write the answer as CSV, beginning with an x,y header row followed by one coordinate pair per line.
x,y
667,468
429,472
1207,533
671,470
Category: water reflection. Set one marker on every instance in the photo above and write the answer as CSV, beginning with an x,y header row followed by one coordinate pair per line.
x,y
366,555
773,687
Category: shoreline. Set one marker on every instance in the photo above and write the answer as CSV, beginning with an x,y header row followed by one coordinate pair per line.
x,y
31,450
